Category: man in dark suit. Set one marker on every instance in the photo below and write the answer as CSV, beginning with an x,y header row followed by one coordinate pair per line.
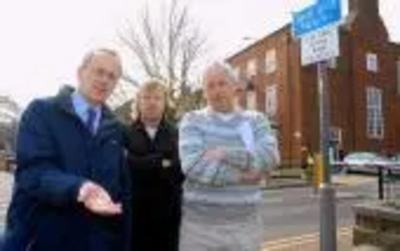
x,y
70,188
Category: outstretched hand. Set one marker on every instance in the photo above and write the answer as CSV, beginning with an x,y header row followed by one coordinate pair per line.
x,y
97,200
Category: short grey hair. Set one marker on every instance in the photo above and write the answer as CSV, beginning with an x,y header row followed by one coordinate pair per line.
x,y
91,54
224,68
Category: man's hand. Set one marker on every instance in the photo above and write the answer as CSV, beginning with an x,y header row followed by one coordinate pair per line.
x,y
214,154
251,176
97,200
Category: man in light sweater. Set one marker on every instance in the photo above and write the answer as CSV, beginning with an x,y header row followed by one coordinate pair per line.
x,y
225,152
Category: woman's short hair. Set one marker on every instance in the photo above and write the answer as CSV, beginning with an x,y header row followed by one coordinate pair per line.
x,y
150,86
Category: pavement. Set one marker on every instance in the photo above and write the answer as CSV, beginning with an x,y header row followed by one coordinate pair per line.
x,y
280,183
352,180
337,180
292,241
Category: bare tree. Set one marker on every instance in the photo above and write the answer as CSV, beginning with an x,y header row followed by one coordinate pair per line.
x,y
9,116
167,49
123,93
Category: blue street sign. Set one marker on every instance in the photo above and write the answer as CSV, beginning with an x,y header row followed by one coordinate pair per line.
x,y
319,15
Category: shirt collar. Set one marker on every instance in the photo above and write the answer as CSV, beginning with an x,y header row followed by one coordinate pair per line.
x,y
81,105
237,110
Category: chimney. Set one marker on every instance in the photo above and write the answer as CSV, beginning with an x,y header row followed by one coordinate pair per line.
x,y
365,20
364,7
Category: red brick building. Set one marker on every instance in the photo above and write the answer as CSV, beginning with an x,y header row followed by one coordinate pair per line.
x,y
364,86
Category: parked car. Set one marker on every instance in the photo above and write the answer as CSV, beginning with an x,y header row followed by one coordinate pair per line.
x,y
366,162
396,164
396,158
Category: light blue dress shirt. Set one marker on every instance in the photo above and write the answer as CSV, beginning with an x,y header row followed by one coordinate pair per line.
x,y
82,107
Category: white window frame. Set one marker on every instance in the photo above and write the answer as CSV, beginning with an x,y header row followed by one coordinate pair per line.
x,y
336,134
271,100
374,113
251,69
372,62
270,61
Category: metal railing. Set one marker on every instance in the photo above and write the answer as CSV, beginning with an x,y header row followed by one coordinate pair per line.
x,y
392,184
388,177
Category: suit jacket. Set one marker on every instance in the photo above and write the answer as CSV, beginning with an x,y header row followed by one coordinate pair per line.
x,y
56,153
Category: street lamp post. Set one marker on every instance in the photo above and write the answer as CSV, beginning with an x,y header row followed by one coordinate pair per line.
x,y
327,191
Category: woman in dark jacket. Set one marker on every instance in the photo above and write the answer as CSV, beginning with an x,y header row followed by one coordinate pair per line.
x,y
156,174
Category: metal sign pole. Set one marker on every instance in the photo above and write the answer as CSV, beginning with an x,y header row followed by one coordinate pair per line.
x,y
327,191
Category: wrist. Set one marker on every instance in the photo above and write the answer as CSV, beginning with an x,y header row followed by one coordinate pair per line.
x,y
84,191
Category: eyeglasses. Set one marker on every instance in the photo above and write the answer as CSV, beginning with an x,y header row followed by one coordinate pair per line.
x,y
103,73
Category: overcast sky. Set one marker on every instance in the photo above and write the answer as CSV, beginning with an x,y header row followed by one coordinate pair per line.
x,y
42,41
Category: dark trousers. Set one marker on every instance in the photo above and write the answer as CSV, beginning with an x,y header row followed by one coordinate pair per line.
x,y
156,221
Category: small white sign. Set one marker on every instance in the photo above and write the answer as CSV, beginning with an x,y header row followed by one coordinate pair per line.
x,y
320,45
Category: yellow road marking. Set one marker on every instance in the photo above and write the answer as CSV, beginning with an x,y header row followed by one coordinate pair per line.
x,y
302,239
